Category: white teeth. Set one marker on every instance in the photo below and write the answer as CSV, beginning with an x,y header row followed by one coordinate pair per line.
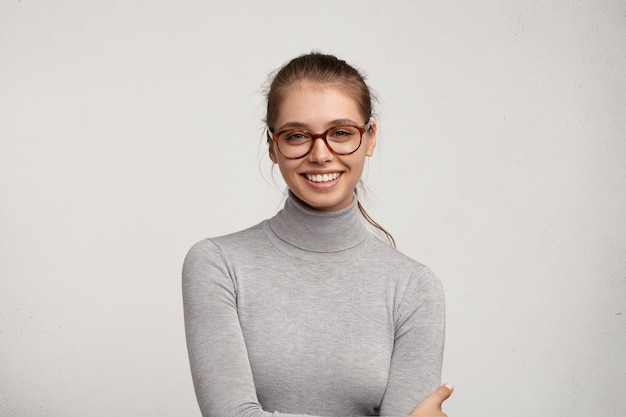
x,y
323,177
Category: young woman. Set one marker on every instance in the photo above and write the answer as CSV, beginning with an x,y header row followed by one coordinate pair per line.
x,y
309,312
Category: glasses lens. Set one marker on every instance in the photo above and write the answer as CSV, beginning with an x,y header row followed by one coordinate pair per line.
x,y
342,140
294,143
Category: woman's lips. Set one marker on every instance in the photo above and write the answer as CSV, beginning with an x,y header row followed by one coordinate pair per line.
x,y
322,180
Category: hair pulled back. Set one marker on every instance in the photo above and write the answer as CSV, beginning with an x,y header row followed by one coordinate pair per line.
x,y
326,71
323,70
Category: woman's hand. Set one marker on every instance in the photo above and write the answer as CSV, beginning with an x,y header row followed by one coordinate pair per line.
x,y
431,405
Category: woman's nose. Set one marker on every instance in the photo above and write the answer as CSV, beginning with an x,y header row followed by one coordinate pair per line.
x,y
320,152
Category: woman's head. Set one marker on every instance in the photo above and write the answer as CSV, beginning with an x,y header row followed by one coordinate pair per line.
x,y
320,97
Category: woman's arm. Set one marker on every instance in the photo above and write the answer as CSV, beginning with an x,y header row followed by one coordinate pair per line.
x,y
220,367
217,353
417,356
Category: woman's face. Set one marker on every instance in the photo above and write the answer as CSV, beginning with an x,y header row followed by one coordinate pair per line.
x,y
316,108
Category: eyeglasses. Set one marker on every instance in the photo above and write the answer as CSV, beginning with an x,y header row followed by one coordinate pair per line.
x,y
298,143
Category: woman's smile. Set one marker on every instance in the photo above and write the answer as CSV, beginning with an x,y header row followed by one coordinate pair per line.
x,y
325,177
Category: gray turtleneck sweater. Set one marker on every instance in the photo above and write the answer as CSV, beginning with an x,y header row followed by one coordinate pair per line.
x,y
309,313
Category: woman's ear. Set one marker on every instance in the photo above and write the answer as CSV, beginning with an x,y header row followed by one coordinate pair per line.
x,y
271,150
371,139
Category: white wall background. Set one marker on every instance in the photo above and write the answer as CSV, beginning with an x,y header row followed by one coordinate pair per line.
x,y
130,130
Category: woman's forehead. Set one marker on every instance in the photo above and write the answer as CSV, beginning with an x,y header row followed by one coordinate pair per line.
x,y
316,104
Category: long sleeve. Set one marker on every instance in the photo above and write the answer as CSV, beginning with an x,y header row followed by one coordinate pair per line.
x,y
217,353
218,358
418,345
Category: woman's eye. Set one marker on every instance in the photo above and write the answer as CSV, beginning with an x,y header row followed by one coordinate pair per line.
x,y
341,133
296,137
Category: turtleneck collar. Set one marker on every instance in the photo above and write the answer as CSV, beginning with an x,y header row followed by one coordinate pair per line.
x,y
318,231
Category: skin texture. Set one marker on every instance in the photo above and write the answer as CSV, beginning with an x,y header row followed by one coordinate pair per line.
x,y
316,108
431,405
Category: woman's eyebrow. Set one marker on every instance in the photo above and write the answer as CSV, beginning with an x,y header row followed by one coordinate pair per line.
x,y
300,125
292,125
342,122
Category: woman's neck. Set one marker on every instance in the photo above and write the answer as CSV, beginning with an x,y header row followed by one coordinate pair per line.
x,y
319,231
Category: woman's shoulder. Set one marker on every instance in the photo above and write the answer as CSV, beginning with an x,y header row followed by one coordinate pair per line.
x,y
396,260
382,250
246,239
